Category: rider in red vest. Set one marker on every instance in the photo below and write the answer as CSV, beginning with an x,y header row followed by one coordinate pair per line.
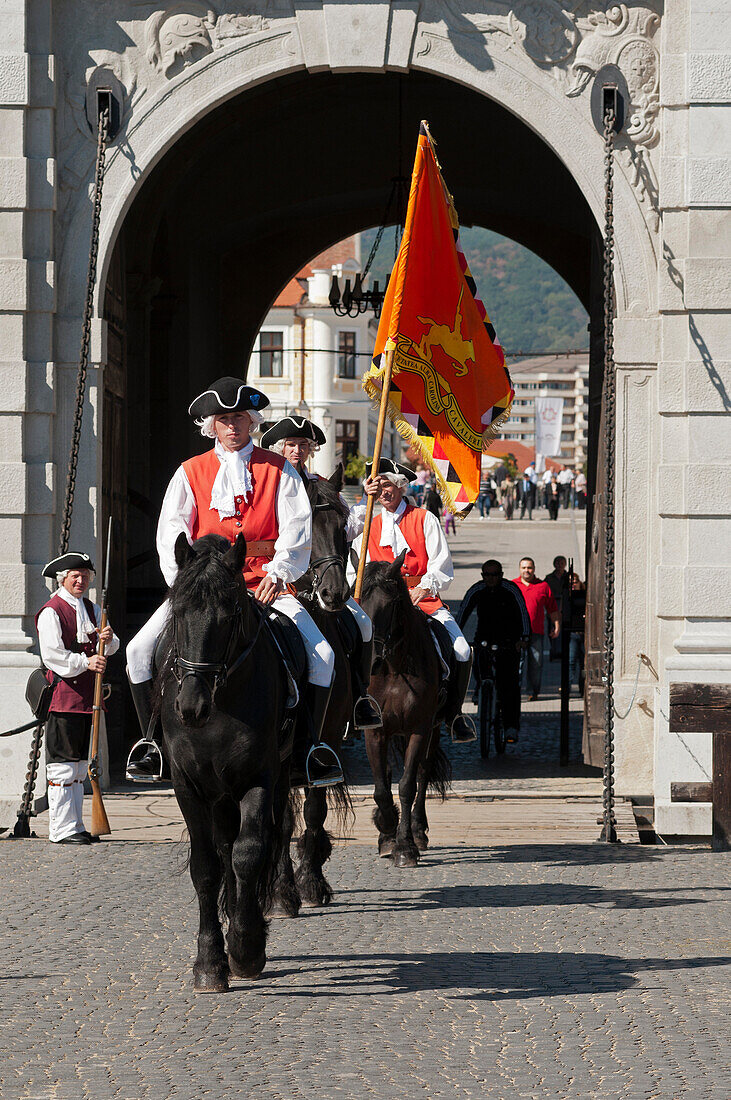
x,y
427,569
238,488
297,439
68,635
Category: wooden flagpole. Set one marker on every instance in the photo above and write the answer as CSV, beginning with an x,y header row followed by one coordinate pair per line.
x,y
377,446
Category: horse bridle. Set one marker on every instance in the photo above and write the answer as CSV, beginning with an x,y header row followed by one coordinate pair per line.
x,y
327,561
220,670
383,645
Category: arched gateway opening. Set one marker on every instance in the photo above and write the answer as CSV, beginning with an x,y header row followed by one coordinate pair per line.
x,y
242,200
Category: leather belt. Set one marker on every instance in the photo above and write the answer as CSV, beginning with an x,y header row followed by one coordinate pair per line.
x,y
264,548
413,582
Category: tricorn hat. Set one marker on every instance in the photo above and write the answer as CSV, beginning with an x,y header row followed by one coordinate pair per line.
x,y
72,560
227,395
292,427
390,466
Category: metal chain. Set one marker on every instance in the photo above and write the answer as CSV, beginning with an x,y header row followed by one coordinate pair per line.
x,y
609,830
22,828
68,507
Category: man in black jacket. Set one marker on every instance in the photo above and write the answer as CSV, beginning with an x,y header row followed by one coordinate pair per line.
x,y
502,620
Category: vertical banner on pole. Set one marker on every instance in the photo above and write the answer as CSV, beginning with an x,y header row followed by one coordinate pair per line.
x,y
549,421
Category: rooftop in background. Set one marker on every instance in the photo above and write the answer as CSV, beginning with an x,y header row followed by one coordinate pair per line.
x,y
521,453
343,253
550,364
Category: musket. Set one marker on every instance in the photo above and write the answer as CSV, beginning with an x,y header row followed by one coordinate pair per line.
x,y
99,820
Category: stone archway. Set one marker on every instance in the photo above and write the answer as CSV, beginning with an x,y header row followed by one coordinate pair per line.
x,y
188,69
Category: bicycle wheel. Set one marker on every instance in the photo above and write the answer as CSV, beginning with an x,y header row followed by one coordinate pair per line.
x,y
498,731
486,693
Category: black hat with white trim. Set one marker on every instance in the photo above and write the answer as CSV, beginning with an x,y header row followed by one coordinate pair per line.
x,y
227,395
292,427
72,560
390,466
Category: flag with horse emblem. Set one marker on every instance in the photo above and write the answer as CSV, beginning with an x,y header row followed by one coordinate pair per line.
x,y
450,389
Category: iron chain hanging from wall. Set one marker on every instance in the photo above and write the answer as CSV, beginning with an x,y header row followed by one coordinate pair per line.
x,y
104,101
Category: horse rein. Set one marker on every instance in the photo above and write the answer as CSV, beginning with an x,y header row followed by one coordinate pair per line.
x,y
220,670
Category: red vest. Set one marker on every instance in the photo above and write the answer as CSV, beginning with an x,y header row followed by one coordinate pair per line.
x,y
75,694
255,518
416,561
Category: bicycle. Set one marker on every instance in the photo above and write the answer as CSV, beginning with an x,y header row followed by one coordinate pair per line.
x,y
490,722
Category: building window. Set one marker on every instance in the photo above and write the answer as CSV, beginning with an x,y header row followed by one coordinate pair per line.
x,y
347,443
271,354
346,356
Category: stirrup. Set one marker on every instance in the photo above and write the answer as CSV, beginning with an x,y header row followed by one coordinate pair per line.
x,y
463,740
147,743
369,698
336,764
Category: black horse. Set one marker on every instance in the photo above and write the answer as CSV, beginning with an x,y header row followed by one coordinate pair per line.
x,y
405,681
323,590
222,693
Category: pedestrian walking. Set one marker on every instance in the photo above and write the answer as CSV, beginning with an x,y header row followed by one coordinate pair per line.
x,y
553,491
558,581
433,502
576,638
540,602
69,633
580,489
565,477
526,496
507,496
484,497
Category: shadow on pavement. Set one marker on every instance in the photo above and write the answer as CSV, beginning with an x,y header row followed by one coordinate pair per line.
x,y
487,976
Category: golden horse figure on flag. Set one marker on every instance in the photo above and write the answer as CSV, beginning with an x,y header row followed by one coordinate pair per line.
x,y
450,340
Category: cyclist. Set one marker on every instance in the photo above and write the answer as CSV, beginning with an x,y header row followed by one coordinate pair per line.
x,y
502,620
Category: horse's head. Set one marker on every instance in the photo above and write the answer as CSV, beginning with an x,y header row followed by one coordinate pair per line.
x,y
325,579
208,601
385,599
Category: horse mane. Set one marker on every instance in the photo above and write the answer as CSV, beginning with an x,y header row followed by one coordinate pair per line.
x,y
378,574
205,578
321,491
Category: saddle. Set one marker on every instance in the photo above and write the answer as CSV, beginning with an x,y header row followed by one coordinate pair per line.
x,y
444,647
288,641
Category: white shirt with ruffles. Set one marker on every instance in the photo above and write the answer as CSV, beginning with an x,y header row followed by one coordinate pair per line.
x,y
440,570
54,653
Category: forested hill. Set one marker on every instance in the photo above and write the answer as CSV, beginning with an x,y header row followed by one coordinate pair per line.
x,y
531,306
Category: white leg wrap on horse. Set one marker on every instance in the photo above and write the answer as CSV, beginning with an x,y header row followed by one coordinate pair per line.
x,y
462,650
320,657
141,649
62,818
364,623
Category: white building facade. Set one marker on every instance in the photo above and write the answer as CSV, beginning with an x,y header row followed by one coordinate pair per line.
x,y
177,69
566,377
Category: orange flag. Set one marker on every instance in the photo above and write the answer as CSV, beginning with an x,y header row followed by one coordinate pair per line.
x,y
450,390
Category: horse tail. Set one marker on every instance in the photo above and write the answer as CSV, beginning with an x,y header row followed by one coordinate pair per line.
x,y
438,768
340,805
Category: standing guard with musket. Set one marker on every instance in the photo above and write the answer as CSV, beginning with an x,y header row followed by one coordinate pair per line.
x,y
69,630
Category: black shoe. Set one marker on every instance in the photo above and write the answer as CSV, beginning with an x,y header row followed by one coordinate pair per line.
x,y
322,769
367,714
148,769
92,839
463,730
76,838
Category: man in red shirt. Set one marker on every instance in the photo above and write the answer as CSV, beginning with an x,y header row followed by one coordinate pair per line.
x,y
539,600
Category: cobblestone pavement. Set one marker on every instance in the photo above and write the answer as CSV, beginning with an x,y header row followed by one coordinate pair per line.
x,y
568,972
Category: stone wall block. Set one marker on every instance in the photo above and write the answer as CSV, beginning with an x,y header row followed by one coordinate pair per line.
x,y
357,35
709,131
709,181
41,494
710,336
704,25
13,495
13,78
670,285
42,285
13,587
669,588
671,388
12,387
14,282
703,588
709,77
707,283
673,80
636,340
13,183
672,181
404,14
671,489
313,36
674,337
42,184
41,395
42,81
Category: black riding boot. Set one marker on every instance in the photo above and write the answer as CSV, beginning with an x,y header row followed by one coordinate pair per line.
x,y
366,712
314,764
148,768
462,727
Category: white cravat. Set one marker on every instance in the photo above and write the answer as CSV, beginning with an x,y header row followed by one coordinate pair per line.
x,y
391,531
84,626
233,479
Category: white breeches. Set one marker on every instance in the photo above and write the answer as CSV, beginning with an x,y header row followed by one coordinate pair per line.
x,y
364,623
462,649
65,799
320,657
